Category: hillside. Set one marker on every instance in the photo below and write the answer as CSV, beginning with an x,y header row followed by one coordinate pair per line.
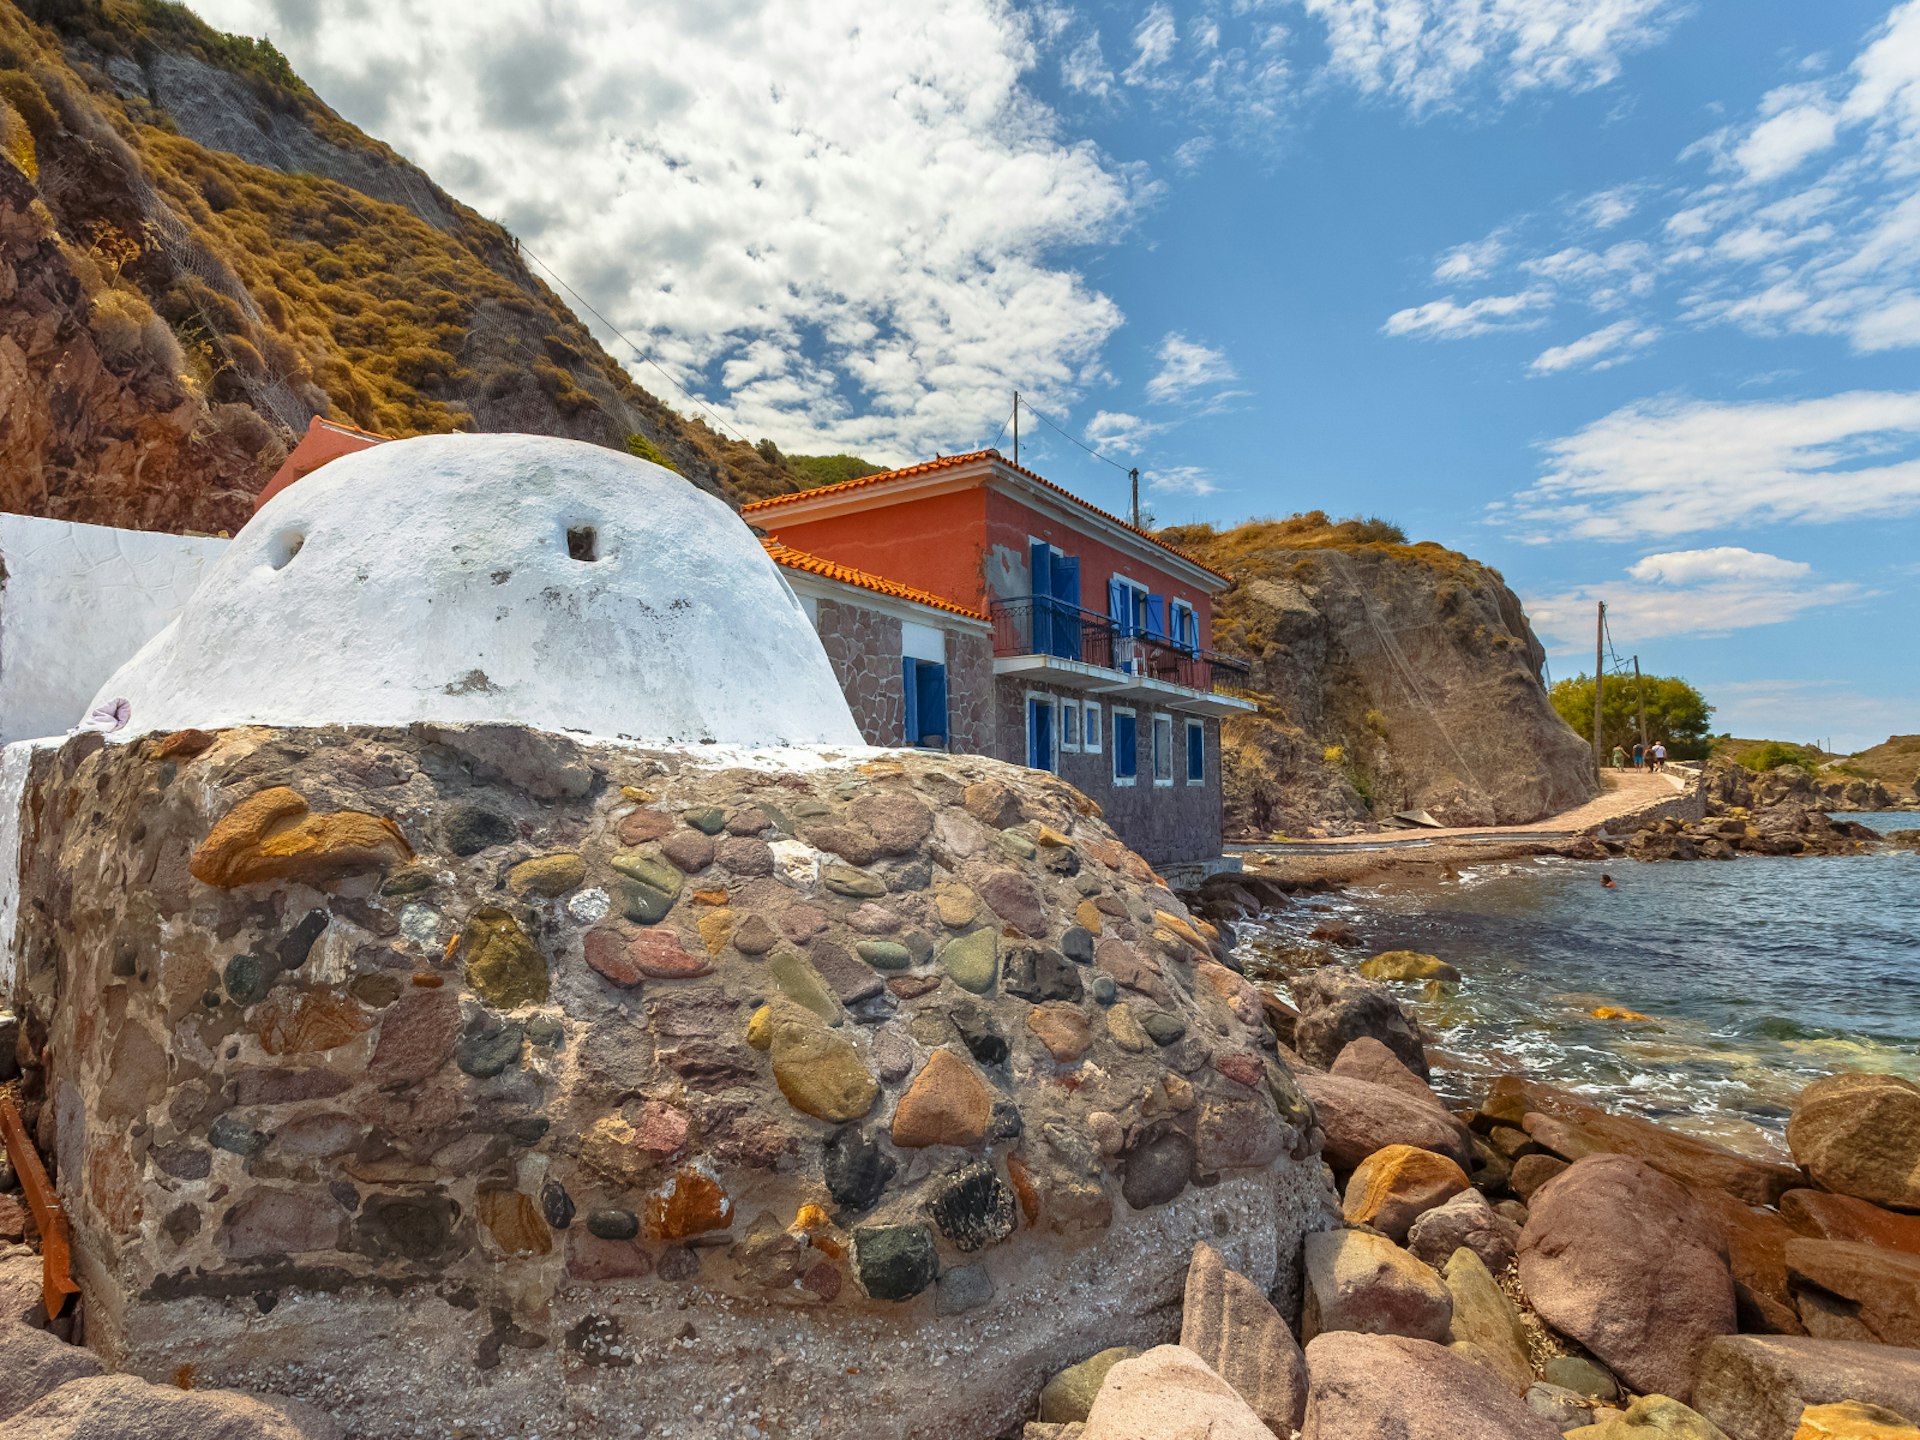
x,y
1894,763
1391,676
197,255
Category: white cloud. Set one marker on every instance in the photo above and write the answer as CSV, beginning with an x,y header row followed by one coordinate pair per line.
x,y
1469,261
1153,42
1185,367
1660,468
1449,320
1427,53
1807,222
1601,350
1191,154
1690,592
1824,710
1084,68
1117,430
869,264
1180,480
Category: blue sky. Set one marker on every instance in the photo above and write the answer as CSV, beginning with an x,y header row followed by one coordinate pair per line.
x,y
1620,296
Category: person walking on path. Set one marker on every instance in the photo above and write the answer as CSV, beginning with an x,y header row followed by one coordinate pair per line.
x,y
1639,754
1619,758
1659,756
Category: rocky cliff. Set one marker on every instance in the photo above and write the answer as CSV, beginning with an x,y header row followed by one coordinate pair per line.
x,y
1390,677
197,256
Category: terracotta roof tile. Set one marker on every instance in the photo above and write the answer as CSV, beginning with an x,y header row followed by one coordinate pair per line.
x,y
948,462
847,575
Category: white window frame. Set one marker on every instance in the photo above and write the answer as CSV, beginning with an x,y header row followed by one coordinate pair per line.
x,y
1154,722
1201,726
1062,710
1091,732
1119,779
1026,724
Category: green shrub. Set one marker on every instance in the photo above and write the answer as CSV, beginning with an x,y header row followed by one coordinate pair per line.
x,y
1776,753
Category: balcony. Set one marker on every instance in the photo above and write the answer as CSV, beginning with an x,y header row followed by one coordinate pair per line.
x,y
1077,649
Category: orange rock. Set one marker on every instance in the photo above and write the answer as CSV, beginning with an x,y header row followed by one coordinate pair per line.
x,y
184,744
710,897
272,835
1063,1028
1087,917
1024,1190
1853,1420
293,1022
692,1204
947,1104
1393,1187
715,927
1841,1217
1617,1012
514,1222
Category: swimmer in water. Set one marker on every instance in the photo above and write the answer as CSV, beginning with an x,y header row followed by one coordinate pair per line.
x,y
1606,883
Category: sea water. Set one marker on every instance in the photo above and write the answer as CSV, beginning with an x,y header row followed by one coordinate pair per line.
x,y
1756,975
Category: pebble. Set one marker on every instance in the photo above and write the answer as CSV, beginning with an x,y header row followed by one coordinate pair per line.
x,y
972,1208
856,1169
896,1262
589,907
972,960
947,1104
613,1224
884,954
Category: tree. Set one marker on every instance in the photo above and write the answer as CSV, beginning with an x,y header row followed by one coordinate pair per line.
x,y
1676,713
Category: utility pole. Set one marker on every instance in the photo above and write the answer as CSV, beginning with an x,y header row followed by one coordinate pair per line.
x,y
1134,476
1016,427
1599,684
1640,687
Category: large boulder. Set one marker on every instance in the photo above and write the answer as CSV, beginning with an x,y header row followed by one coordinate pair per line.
x,y
1389,1387
1367,1059
1582,1129
1169,1393
1359,1118
34,1363
1757,1255
1337,1007
1230,1324
1860,1135
1841,1217
1483,1316
1405,965
1624,1260
1393,1187
1756,1386
1852,1420
1881,1288
123,1407
1466,1221
1068,1396
1359,1281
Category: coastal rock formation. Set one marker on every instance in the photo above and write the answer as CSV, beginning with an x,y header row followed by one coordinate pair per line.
x,y
1623,1260
1467,1222
1394,1187
1758,1386
1338,1007
1230,1324
1393,677
1880,1289
1859,1135
605,1047
1841,1217
1359,1119
1360,1281
1387,1387
1170,1391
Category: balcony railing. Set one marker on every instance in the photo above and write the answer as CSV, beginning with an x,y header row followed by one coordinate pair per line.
x,y
1053,627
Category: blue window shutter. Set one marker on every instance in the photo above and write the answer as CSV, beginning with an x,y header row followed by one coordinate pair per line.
x,y
931,702
1157,617
1066,614
910,720
1126,746
1120,606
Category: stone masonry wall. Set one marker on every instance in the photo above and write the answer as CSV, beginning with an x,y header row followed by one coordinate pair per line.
x,y
1165,823
863,646
538,1087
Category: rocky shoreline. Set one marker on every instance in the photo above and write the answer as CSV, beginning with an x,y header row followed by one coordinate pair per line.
x,y
1532,1265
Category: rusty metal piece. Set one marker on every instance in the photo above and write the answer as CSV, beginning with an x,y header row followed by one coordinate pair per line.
x,y
56,1274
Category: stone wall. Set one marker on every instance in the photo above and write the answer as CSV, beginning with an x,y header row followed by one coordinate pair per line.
x,y
551,1088
1165,823
863,645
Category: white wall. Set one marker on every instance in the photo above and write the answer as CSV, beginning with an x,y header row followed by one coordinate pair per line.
x,y
433,579
76,603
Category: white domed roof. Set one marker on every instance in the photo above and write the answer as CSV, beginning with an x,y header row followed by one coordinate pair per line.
x,y
494,577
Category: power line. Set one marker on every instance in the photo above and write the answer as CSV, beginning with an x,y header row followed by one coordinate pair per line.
x,y
1123,469
631,345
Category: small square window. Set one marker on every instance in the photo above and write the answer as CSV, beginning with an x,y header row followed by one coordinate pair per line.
x,y
1070,725
1163,749
1090,728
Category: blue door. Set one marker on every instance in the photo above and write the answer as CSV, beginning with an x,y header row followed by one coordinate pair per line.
x,y
1040,734
1066,605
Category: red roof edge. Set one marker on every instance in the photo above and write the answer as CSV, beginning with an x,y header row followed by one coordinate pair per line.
x,y
784,554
